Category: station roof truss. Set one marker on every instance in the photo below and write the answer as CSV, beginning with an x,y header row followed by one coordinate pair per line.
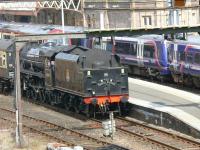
x,y
34,6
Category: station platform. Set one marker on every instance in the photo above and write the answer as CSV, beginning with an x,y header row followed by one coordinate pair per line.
x,y
165,106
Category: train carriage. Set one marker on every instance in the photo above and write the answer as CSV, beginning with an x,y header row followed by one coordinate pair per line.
x,y
184,58
7,48
144,55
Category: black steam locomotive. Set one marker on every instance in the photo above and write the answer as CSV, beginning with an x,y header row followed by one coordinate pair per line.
x,y
84,80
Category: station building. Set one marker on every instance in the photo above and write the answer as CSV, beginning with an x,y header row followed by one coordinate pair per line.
x,y
107,14
141,13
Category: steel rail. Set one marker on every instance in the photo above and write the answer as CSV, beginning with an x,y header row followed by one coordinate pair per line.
x,y
174,136
100,143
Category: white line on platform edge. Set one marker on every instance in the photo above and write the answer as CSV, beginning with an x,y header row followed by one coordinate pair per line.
x,y
169,90
177,113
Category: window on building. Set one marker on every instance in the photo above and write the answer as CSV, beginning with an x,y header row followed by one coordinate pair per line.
x,y
169,3
149,51
93,20
197,58
179,3
89,21
147,20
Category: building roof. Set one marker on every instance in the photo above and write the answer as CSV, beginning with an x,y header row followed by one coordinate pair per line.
x,y
29,28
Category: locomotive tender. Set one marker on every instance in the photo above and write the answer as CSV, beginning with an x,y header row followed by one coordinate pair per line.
x,y
80,79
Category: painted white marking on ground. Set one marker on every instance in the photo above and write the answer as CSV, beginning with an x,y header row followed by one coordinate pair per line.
x,y
177,113
179,93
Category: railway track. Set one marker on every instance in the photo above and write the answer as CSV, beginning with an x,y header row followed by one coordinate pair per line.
x,y
65,135
149,134
162,138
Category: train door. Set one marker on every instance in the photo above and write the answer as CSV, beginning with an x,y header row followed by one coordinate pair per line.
x,y
188,62
174,58
195,68
140,51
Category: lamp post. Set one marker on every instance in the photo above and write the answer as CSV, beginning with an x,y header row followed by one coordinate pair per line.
x,y
63,19
19,134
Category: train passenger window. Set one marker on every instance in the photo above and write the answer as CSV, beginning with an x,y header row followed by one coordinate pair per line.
x,y
0,61
149,51
190,58
134,49
4,62
170,53
197,58
181,56
123,48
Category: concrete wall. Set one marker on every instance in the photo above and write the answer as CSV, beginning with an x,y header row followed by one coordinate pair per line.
x,y
162,119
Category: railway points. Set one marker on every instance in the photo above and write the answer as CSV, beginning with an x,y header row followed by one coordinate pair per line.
x,y
167,106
